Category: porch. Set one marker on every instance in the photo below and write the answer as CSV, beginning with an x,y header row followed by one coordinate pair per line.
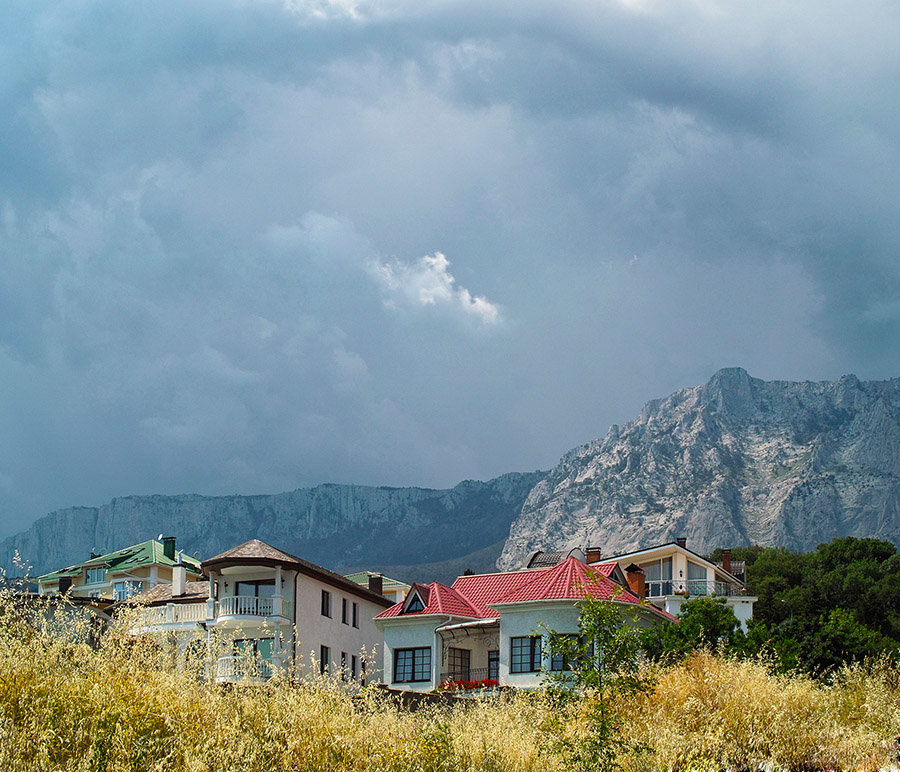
x,y
470,652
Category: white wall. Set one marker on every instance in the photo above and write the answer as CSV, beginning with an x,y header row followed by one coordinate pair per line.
x,y
742,606
533,619
408,633
315,630
540,619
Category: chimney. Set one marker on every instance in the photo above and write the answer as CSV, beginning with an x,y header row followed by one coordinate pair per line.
x,y
65,584
591,554
169,547
682,541
376,584
637,582
726,560
179,578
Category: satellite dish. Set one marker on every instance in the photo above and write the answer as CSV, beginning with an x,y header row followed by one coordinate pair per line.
x,y
159,538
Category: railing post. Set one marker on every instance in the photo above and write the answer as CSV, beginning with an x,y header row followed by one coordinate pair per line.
x,y
170,612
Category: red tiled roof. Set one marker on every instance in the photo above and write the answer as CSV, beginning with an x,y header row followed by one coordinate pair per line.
x,y
438,599
570,580
483,589
473,596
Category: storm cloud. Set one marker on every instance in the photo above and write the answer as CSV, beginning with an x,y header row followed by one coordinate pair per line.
x,y
247,246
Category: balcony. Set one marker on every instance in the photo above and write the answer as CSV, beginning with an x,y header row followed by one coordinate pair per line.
x,y
691,587
171,614
467,674
248,606
243,668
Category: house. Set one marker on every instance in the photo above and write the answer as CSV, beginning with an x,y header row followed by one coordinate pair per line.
x,y
392,589
118,575
260,610
673,574
495,626
670,574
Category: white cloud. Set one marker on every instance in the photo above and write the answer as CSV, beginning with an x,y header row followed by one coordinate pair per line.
x,y
428,282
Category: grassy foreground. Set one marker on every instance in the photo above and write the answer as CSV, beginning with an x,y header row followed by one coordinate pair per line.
x,y
66,707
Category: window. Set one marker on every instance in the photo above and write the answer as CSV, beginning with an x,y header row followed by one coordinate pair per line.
x,y
345,611
260,589
559,660
458,661
94,575
343,665
354,666
658,575
494,665
326,603
263,648
525,654
415,604
412,665
124,590
356,615
324,658
362,672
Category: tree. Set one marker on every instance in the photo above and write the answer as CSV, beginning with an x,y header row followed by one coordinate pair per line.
x,y
597,665
836,604
704,623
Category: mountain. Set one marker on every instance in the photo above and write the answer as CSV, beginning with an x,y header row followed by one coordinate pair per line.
x,y
737,461
338,526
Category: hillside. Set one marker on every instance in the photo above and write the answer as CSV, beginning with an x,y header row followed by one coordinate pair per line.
x,y
339,526
737,461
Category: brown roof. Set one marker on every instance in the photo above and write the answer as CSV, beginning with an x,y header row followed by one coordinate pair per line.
x,y
256,552
162,593
254,549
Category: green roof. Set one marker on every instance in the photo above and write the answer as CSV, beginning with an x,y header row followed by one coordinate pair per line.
x,y
362,577
144,554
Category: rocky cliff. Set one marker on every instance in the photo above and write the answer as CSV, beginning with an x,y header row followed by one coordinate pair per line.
x,y
734,462
338,526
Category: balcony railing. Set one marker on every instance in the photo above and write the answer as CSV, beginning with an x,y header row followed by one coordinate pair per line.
x,y
690,587
172,613
238,668
466,674
249,606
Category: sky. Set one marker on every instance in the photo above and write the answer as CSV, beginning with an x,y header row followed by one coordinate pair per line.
x,y
248,246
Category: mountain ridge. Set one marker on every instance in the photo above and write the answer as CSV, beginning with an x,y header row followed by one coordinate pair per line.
x,y
330,524
735,461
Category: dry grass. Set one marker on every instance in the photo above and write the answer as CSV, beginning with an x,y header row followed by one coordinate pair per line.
x,y
64,706
714,712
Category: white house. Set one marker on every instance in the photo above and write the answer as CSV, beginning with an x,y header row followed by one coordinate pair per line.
x,y
673,574
670,574
494,627
261,610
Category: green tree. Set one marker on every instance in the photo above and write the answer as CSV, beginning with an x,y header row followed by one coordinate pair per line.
x,y
836,604
597,665
704,623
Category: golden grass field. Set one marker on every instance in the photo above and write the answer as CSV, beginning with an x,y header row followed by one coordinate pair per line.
x,y
64,706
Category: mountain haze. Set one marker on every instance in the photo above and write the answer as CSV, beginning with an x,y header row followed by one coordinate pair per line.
x,y
338,526
736,461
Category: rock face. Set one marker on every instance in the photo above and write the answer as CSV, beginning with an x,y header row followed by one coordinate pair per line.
x,y
338,526
737,461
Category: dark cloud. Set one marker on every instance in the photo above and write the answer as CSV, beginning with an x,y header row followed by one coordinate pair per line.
x,y
247,246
